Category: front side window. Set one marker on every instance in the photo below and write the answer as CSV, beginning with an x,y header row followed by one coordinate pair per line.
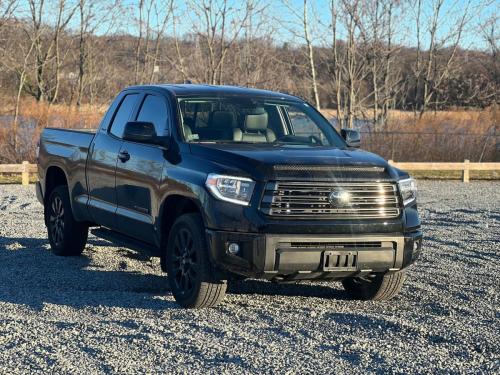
x,y
257,121
154,110
123,115
303,126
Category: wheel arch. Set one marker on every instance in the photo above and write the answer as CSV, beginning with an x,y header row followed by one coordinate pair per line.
x,y
172,207
55,176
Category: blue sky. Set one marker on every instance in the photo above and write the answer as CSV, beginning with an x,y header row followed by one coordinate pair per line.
x,y
320,19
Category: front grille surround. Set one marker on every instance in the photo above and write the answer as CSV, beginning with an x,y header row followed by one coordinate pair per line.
x,y
310,200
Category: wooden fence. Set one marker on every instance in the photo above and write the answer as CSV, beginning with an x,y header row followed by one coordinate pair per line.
x,y
26,168
465,167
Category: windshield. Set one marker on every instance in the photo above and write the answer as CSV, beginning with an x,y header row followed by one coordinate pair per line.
x,y
258,121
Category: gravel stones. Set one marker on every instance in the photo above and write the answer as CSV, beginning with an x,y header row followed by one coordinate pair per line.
x,y
110,310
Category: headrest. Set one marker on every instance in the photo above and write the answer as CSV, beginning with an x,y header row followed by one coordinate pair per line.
x,y
256,121
221,120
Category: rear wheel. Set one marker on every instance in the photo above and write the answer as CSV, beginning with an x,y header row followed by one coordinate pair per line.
x,y
190,274
375,286
66,235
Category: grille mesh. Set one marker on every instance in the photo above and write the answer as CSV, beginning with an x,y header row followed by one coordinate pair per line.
x,y
312,200
328,168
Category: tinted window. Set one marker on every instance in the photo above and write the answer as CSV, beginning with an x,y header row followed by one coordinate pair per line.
x,y
123,115
154,109
304,126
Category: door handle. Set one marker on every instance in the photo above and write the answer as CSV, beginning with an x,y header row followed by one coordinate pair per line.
x,y
124,156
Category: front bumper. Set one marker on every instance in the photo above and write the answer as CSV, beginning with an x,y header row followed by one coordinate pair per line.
x,y
296,256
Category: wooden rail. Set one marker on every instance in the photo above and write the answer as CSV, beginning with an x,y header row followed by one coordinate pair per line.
x,y
465,167
26,168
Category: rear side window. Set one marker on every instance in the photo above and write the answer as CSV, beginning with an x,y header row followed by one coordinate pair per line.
x,y
123,115
154,109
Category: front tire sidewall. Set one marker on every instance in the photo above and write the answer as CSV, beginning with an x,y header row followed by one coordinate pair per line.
x,y
196,296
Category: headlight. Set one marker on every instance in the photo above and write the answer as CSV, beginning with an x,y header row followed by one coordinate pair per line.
x,y
231,189
408,189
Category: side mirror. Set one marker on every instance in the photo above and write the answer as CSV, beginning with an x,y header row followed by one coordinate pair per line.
x,y
352,137
142,132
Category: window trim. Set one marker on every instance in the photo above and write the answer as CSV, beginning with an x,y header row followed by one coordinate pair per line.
x,y
110,125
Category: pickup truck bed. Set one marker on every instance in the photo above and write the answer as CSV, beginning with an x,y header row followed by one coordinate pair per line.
x,y
67,150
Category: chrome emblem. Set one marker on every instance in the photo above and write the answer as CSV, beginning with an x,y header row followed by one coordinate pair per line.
x,y
339,198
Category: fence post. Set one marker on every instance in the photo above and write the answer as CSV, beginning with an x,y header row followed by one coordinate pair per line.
x,y
25,173
465,172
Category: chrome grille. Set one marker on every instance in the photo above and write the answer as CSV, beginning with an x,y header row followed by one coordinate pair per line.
x,y
312,200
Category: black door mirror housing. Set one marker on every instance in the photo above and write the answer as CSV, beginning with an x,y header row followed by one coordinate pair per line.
x,y
352,137
143,132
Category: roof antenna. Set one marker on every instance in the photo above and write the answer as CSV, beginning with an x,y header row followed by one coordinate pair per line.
x,y
188,82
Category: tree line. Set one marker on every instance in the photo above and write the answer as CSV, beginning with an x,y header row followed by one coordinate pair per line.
x,y
363,58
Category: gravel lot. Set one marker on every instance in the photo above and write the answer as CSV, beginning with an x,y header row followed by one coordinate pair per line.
x,y
111,311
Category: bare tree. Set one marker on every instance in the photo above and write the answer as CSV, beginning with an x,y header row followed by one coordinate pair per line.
x,y
218,24
299,25
17,63
178,60
377,35
46,39
355,60
360,63
92,15
7,9
433,68
491,34
335,68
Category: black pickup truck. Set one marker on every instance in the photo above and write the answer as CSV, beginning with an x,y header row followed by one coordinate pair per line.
x,y
226,183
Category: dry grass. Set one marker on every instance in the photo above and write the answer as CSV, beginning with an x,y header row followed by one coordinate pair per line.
x,y
19,142
59,115
459,121
476,121
439,136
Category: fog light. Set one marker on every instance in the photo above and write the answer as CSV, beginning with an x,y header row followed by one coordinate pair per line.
x,y
233,248
415,245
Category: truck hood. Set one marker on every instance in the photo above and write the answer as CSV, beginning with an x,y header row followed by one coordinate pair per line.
x,y
263,162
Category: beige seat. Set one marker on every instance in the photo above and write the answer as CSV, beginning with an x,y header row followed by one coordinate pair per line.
x,y
255,129
220,126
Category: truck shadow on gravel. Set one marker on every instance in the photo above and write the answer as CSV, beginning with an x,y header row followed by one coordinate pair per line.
x,y
301,289
32,276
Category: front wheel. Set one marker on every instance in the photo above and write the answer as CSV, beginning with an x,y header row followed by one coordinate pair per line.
x,y
190,274
66,235
375,287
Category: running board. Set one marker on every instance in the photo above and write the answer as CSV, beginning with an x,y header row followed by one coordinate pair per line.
x,y
122,240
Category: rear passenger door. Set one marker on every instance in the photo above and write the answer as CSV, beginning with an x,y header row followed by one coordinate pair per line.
x,y
138,178
103,157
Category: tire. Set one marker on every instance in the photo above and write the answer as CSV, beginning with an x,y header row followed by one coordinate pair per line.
x,y
67,236
190,274
375,287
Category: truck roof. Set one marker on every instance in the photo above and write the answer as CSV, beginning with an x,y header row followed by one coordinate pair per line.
x,y
188,89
